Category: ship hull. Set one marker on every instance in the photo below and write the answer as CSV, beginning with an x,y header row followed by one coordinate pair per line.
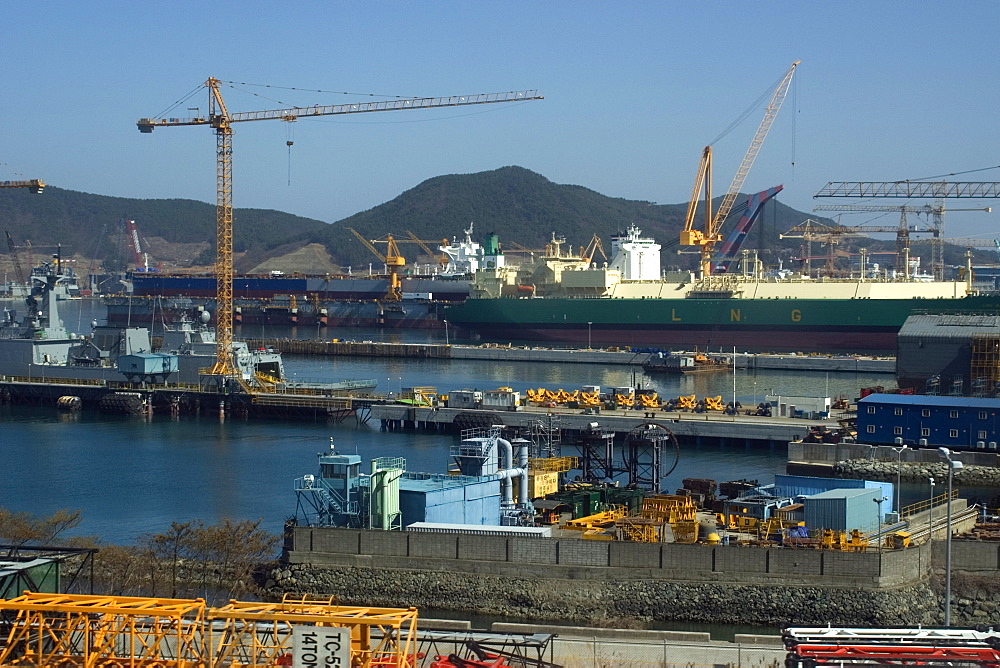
x,y
369,314
757,325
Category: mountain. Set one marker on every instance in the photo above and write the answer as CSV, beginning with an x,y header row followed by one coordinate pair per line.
x,y
521,206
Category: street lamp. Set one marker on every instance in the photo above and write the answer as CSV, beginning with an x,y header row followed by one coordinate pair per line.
x,y
953,465
878,521
930,512
899,465
446,340
589,323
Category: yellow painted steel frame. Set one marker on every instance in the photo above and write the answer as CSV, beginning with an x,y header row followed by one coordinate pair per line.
x,y
116,631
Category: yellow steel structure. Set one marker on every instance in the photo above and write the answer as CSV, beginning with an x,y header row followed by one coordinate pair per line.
x,y
221,119
34,185
710,235
392,258
78,631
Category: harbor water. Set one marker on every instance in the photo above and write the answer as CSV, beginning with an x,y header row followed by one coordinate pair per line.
x,y
134,476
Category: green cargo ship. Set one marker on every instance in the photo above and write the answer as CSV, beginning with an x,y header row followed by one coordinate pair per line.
x,y
628,303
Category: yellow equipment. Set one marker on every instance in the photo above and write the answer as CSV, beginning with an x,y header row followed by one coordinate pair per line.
x,y
392,259
79,630
710,235
687,403
36,186
625,400
649,400
222,120
590,399
714,403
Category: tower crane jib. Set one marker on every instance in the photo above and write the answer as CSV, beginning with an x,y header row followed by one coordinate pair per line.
x,y
220,118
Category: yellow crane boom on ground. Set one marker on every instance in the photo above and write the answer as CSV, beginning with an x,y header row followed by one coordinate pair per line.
x,y
709,235
221,119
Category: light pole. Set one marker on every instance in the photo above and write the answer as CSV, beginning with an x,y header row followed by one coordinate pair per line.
x,y
589,323
953,465
899,465
930,512
447,342
878,521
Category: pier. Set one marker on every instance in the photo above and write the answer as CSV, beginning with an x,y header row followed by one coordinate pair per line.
x,y
608,356
710,427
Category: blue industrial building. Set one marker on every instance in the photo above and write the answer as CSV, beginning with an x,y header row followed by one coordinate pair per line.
x,y
449,499
961,423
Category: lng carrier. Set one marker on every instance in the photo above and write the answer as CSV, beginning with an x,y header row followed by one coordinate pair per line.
x,y
628,302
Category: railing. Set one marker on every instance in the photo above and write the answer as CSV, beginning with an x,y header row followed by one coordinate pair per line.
x,y
926,504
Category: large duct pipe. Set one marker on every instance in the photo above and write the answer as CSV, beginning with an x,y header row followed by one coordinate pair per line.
x,y
510,472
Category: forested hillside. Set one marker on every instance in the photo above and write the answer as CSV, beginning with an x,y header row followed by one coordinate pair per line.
x,y
521,206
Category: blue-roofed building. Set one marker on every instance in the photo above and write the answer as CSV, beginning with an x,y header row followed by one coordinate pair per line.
x,y
961,423
798,486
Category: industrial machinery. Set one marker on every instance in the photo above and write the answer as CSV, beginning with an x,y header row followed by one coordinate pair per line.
x,y
85,630
832,646
707,237
391,258
222,120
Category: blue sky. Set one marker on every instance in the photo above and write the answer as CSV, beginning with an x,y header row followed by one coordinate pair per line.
x,y
634,90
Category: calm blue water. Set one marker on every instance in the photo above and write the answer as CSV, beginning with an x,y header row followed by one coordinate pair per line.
x,y
131,476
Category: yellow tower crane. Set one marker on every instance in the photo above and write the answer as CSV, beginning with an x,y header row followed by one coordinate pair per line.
x,y
392,258
221,119
710,235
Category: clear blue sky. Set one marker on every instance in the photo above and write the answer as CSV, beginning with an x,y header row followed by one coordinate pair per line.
x,y
634,90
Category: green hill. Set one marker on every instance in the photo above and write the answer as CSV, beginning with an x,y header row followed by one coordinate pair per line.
x,y
521,206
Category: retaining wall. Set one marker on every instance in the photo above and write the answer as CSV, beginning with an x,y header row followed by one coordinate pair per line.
x,y
576,559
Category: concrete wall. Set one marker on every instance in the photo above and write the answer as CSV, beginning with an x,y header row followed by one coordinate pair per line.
x,y
601,560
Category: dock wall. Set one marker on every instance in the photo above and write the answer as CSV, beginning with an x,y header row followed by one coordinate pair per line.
x,y
576,559
572,579
559,355
708,425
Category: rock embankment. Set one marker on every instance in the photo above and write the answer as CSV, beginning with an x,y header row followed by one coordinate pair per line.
x,y
598,603
873,469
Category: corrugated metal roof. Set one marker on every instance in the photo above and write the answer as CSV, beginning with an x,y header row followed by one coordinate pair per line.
x,y
841,494
949,326
929,401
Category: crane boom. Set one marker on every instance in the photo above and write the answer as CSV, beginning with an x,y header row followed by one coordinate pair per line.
x,y
220,118
708,237
34,185
147,125
911,189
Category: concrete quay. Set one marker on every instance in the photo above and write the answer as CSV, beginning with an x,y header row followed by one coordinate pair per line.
x,y
692,425
508,353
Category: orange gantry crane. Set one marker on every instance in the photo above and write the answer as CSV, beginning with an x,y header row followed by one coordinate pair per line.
x,y
710,234
221,119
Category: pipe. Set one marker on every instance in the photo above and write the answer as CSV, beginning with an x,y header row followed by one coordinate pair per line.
x,y
509,472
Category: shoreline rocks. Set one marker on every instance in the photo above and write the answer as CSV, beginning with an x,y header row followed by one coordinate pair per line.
x,y
592,602
874,469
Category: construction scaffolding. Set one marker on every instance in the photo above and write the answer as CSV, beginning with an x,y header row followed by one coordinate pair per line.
x,y
73,631
984,371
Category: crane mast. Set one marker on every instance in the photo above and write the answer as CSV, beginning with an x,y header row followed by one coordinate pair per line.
x,y
220,118
709,235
